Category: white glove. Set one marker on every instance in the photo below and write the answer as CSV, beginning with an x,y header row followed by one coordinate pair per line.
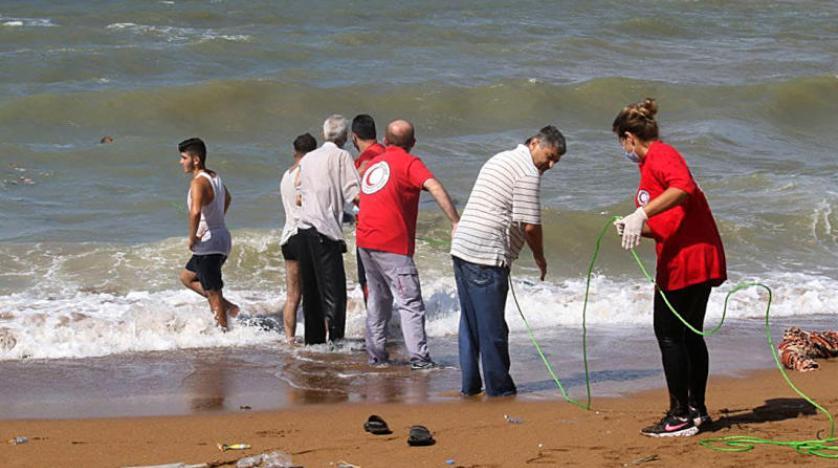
x,y
618,223
631,228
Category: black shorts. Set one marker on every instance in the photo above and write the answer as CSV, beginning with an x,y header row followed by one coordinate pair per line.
x,y
292,249
208,269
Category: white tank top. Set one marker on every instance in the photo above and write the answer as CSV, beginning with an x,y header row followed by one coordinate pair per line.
x,y
289,204
216,238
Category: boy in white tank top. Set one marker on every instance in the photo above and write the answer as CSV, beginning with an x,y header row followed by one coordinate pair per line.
x,y
209,239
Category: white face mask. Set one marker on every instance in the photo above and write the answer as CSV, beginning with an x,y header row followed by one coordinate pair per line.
x,y
632,156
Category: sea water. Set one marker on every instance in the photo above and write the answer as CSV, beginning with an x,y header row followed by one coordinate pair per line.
x,y
92,235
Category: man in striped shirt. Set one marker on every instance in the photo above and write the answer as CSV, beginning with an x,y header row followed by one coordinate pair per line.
x,y
503,212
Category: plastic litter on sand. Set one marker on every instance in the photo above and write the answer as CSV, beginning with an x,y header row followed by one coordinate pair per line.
x,y
275,459
226,447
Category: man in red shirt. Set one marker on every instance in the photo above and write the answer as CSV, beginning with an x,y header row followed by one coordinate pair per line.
x,y
386,236
366,142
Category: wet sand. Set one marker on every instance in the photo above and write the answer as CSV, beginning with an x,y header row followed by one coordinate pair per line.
x,y
471,433
273,377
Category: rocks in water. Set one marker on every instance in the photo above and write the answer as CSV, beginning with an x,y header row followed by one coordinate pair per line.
x,y
7,340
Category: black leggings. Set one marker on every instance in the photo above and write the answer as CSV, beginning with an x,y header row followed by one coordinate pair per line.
x,y
684,354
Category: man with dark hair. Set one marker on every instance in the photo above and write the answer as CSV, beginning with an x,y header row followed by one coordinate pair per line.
x,y
503,211
305,143
209,239
328,181
291,243
386,235
365,141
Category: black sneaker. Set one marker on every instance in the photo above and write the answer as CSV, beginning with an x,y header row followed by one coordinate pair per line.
x,y
700,417
423,365
672,426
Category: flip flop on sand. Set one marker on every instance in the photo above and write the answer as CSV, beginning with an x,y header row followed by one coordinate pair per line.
x,y
420,436
376,425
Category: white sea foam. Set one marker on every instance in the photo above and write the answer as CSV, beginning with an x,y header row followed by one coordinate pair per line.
x,y
94,324
176,34
26,22
821,226
627,303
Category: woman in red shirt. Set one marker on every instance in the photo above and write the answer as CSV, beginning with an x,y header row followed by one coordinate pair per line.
x,y
672,209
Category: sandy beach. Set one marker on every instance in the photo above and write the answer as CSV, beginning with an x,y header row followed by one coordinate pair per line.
x,y
469,433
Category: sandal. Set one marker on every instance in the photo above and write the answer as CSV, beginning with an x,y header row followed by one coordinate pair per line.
x,y
376,425
420,436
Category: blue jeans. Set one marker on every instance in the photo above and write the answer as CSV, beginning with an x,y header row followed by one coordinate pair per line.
x,y
483,332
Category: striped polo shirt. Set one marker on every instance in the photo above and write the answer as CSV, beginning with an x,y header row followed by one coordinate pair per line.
x,y
505,195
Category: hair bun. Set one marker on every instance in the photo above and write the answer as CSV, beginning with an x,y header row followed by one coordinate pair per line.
x,y
638,118
649,108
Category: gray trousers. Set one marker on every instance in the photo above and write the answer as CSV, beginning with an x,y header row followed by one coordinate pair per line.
x,y
393,276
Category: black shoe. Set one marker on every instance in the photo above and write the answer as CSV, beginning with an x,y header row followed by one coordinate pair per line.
x,y
672,426
376,425
420,436
423,365
700,417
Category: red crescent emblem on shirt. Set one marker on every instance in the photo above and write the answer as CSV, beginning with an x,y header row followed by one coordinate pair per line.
x,y
375,178
642,197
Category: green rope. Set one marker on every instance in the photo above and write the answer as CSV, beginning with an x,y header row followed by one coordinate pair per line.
x,y
826,448
547,363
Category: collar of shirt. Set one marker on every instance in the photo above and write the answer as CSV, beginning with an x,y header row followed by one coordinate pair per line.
x,y
396,150
646,157
330,144
373,148
524,152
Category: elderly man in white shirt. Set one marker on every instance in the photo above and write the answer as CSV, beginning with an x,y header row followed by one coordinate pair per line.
x,y
327,182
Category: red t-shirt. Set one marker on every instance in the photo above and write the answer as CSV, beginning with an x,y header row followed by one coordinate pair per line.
x,y
363,162
687,241
371,152
390,190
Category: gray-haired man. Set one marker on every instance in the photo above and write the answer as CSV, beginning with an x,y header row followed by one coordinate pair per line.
x,y
327,182
502,212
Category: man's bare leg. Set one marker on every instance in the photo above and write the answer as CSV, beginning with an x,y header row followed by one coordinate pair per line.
x,y
219,311
292,299
231,309
190,280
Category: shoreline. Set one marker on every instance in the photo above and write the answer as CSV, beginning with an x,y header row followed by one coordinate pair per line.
x,y
757,403
271,377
